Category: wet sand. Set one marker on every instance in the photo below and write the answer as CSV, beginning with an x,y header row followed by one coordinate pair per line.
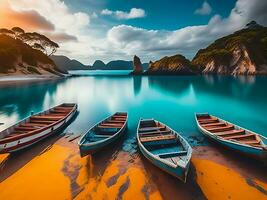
x,y
53,169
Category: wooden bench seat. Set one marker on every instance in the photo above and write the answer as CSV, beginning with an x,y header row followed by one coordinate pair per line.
x,y
236,137
41,121
232,132
154,132
25,128
157,138
109,126
32,125
214,124
250,142
209,121
46,117
220,129
115,121
151,128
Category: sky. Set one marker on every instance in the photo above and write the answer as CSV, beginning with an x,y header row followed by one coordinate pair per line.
x,y
87,30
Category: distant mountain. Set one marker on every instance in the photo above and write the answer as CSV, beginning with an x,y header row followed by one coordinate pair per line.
x,y
17,57
241,53
99,65
115,65
64,63
172,65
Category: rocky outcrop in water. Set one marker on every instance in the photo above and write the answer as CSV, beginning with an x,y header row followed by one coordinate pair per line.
x,y
173,65
137,66
241,53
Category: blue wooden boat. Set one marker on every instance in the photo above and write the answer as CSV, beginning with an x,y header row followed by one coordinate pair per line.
x,y
233,136
103,133
164,147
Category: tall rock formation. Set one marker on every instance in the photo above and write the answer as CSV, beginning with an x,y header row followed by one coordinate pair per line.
x,y
137,65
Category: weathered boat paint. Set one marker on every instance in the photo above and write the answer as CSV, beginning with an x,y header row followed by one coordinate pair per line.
x,y
93,147
254,152
180,170
10,145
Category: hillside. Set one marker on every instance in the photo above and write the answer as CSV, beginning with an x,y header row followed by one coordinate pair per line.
x,y
176,64
66,64
241,53
18,57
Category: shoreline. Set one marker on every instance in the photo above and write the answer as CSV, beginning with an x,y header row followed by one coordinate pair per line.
x,y
10,80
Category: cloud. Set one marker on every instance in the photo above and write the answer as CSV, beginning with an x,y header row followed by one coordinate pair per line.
x,y
188,40
61,37
133,14
204,10
29,19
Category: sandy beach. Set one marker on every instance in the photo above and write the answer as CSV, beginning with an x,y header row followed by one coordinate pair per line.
x,y
9,80
53,169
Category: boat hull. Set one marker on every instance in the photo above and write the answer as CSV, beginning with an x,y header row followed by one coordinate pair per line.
x,y
93,148
178,172
246,150
22,143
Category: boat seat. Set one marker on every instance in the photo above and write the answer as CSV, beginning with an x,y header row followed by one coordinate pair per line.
x,y
101,136
236,137
220,129
115,121
249,142
172,154
214,124
32,125
151,128
25,128
41,121
208,121
232,132
157,138
108,126
46,117
154,132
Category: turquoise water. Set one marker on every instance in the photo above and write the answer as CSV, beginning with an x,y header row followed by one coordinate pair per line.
x,y
172,100
100,72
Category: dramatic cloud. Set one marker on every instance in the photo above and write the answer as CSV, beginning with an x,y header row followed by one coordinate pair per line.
x,y
134,13
204,10
29,19
187,40
61,37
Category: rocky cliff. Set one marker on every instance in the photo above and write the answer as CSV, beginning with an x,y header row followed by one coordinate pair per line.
x,y
174,65
241,53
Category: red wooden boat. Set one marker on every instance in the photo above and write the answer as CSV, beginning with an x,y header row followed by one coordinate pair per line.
x,y
36,127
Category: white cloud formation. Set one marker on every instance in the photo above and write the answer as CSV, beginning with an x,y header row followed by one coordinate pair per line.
x,y
204,10
133,14
88,41
188,40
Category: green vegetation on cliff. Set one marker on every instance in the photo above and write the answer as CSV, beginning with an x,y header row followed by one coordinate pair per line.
x,y
176,64
27,55
252,40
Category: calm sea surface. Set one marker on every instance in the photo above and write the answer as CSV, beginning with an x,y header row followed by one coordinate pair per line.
x,y
172,100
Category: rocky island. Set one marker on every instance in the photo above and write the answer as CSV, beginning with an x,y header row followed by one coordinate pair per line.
x,y
173,65
241,53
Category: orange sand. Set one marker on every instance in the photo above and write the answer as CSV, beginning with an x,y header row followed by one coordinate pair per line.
x,y
41,178
219,182
3,157
132,180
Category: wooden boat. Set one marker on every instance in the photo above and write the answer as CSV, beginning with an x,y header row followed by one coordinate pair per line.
x,y
103,133
164,147
35,128
233,136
